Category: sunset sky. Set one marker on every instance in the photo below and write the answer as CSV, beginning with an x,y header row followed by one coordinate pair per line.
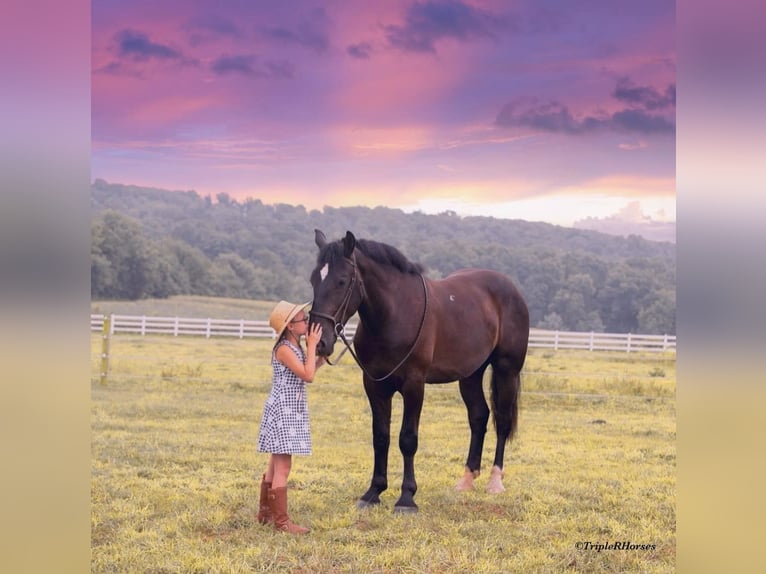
x,y
545,110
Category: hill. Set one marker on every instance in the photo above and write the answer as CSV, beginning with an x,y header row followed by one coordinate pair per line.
x,y
151,242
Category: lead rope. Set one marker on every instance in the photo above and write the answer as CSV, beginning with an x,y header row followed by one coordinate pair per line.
x,y
342,335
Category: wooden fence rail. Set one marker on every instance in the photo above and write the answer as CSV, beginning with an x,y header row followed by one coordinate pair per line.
x,y
241,328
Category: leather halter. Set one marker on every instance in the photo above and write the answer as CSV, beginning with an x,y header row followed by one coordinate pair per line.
x,y
337,317
339,327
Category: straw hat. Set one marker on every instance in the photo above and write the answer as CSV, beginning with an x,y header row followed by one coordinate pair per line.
x,y
283,313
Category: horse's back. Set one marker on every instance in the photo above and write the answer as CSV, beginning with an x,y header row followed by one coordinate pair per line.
x,y
486,310
482,283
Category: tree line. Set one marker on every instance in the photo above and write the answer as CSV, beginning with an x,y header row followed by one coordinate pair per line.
x,y
156,243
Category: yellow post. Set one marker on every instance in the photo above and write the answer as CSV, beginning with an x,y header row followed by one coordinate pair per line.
x,y
105,334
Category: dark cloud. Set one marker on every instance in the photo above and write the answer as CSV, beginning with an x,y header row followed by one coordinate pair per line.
x,y
642,122
555,117
132,47
549,116
137,46
211,27
234,65
310,33
645,96
428,22
361,50
114,68
249,65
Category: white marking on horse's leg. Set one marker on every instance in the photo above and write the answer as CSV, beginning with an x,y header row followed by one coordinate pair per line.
x,y
495,484
466,481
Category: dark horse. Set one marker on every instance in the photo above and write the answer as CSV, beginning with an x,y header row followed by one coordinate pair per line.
x,y
414,330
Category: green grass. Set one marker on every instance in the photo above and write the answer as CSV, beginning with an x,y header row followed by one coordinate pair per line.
x,y
190,306
175,472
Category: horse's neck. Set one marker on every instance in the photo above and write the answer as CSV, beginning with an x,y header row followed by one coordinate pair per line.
x,y
384,291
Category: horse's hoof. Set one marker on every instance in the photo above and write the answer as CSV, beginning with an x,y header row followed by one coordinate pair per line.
x,y
405,509
495,484
363,504
495,488
465,483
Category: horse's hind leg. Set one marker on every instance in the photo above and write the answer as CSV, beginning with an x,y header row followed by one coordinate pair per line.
x,y
505,387
478,414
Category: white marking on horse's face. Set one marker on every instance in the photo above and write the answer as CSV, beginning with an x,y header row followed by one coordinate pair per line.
x,y
323,271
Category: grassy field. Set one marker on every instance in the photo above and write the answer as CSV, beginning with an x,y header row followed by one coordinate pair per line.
x,y
175,473
192,306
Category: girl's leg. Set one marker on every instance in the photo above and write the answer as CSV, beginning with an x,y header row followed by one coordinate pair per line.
x,y
270,469
278,495
280,465
264,510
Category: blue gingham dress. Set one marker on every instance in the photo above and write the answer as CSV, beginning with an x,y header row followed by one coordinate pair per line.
x,y
285,423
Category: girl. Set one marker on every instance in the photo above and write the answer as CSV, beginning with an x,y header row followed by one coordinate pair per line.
x,y
285,427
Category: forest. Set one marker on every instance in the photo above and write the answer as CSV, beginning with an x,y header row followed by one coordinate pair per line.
x,y
148,242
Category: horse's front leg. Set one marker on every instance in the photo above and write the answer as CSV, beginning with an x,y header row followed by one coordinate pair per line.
x,y
412,393
379,397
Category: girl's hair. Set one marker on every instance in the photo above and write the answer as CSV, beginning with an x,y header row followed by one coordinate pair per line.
x,y
279,340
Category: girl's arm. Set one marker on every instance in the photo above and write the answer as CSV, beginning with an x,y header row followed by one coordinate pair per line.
x,y
305,371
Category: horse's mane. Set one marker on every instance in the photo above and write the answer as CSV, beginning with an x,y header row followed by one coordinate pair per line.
x,y
379,252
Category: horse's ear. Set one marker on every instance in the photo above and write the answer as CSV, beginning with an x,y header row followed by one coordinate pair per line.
x,y
349,242
320,238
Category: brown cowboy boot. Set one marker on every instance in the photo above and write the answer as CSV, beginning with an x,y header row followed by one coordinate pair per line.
x,y
264,510
278,503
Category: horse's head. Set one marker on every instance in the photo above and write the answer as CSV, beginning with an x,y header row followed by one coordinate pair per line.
x,y
337,288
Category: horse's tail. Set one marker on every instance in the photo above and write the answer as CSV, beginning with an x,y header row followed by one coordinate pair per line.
x,y
505,392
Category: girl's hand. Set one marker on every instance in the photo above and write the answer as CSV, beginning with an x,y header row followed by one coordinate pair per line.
x,y
313,335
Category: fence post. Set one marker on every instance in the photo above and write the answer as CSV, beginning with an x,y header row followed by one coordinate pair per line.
x,y
590,343
556,341
629,337
105,336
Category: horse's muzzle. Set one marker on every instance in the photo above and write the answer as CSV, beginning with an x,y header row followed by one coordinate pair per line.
x,y
326,344
323,349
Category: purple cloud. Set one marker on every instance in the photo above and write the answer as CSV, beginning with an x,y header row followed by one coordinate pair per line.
x,y
204,29
361,51
310,33
249,65
242,64
555,117
137,46
217,25
549,116
642,122
428,22
645,96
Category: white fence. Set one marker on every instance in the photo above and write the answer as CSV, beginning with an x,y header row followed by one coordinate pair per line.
x,y
240,328
629,342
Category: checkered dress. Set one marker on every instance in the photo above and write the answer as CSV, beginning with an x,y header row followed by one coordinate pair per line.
x,y
285,424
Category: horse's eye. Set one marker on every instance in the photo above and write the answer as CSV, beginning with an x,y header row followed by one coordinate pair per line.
x,y
342,282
